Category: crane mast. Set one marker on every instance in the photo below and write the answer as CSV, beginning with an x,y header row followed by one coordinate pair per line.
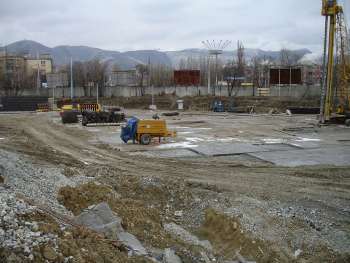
x,y
335,93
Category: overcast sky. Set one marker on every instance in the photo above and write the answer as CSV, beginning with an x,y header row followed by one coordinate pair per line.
x,y
163,24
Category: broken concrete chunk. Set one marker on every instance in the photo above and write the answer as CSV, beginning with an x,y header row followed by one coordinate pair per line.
x,y
170,256
205,257
178,213
2,174
178,232
297,253
240,259
132,243
101,219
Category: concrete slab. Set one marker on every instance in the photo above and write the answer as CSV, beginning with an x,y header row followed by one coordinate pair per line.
x,y
336,155
221,149
276,147
305,145
171,153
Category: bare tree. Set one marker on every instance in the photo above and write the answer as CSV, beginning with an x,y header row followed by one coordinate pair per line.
x,y
2,75
161,75
95,73
258,80
240,60
182,64
229,76
79,76
260,71
203,67
142,73
289,58
116,67
13,76
234,71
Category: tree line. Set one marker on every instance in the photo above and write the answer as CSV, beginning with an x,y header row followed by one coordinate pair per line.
x,y
95,72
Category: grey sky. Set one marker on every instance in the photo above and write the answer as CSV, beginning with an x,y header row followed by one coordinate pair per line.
x,y
163,24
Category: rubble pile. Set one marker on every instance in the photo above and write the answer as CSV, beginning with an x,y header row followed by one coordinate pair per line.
x,y
16,234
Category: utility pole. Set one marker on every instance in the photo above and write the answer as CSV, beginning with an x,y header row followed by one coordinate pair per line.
x,y
71,77
209,88
97,91
53,97
153,106
216,71
38,81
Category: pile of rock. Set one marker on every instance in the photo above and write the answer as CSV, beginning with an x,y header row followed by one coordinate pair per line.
x,y
40,183
17,234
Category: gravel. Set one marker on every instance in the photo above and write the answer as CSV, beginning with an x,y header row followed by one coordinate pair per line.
x,y
34,182
16,234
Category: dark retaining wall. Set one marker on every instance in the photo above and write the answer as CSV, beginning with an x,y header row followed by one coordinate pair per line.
x,y
19,103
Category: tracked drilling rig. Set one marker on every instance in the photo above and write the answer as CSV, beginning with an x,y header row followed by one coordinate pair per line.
x,y
335,94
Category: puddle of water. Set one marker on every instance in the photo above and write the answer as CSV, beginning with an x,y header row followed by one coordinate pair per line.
x,y
94,130
301,139
181,127
296,145
272,141
194,139
229,139
186,132
177,145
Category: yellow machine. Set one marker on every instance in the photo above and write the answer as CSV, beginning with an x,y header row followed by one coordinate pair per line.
x,y
147,129
67,107
143,131
335,95
69,113
90,107
82,107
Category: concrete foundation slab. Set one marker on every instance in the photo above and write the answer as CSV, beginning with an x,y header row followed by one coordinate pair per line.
x,y
171,153
337,155
277,147
221,149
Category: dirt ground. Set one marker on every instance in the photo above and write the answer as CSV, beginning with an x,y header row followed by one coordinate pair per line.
x,y
239,202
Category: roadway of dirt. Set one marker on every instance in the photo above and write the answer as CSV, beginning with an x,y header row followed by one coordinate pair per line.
x,y
299,214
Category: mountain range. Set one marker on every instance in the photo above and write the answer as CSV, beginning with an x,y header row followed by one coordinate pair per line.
x,y
126,60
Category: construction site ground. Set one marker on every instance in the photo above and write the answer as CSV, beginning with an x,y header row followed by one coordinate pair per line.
x,y
275,188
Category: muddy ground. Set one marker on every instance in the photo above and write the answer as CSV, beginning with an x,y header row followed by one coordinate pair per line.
x,y
266,212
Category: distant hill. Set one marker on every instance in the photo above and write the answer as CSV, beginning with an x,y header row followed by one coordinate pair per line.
x,y
127,60
62,54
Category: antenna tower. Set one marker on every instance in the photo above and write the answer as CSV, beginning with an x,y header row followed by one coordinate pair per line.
x,y
215,48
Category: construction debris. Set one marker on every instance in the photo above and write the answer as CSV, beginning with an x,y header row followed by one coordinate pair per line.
x,y
101,219
170,256
18,234
178,232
